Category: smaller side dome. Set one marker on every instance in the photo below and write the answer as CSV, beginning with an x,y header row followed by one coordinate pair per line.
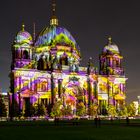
x,y
23,37
111,47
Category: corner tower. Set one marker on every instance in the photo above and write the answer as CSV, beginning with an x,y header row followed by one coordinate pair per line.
x,y
111,60
22,49
111,79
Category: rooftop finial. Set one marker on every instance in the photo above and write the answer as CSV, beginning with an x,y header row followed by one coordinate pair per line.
x,y
53,8
54,20
23,27
110,40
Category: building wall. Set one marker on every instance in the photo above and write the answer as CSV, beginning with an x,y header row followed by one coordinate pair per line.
x,y
49,70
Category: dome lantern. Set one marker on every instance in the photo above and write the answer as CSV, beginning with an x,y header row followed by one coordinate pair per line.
x,y
54,20
110,40
23,27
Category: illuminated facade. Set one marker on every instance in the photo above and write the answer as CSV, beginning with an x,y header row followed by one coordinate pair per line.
x,y
48,69
111,78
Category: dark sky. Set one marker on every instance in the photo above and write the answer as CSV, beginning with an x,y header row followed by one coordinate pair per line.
x,y
89,21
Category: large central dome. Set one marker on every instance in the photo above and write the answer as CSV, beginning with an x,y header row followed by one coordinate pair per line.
x,y
57,41
56,35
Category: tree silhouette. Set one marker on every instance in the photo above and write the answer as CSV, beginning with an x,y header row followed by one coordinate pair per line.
x,y
30,111
93,110
112,111
3,109
16,112
56,110
41,110
131,108
80,109
67,110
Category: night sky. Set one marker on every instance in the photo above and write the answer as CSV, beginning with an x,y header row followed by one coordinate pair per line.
x,y
89,21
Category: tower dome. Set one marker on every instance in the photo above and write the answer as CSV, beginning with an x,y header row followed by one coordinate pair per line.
x,y
23,37
111,47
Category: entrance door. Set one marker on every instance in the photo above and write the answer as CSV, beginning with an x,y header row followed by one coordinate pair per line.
x,y
27,103
103,107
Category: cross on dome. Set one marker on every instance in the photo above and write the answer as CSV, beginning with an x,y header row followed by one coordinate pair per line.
x,y
23,27
110,40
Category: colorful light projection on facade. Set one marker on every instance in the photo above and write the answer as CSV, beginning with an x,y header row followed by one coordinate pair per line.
x,y
71,86
22,49
23,37
111,89
53,35
111,81
111,47
56,43
110,60
49,70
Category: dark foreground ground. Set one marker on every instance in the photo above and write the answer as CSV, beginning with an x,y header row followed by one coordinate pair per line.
x,y
72,130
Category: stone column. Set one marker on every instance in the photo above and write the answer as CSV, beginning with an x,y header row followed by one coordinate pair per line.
x,y
59,88
89,91
52,90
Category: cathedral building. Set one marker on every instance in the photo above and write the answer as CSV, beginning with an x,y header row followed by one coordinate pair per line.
x,y
48,69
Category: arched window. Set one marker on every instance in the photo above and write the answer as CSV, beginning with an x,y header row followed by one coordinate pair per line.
x,y
25,84
43,86
40,65
114,62
117,63
25,54
17,54
64,60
